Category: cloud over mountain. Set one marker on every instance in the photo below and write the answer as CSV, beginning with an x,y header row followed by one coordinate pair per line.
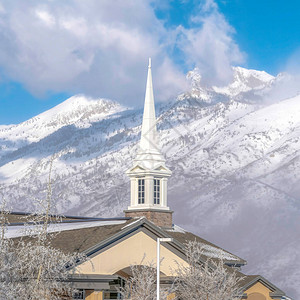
x,y
101,47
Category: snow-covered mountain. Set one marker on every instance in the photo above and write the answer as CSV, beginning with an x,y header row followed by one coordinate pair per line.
x,y
79,111
247,85
235,164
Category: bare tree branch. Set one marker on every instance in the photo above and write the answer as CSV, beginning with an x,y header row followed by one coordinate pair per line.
x,y
30,267
204,278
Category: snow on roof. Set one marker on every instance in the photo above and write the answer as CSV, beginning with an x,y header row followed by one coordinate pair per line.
x,y
20,230
215,252
207,249
137,220
176,228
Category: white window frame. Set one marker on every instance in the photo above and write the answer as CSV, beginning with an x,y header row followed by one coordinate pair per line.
x,y
156,191
141,191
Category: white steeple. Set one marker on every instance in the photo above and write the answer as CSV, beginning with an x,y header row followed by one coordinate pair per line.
x,y
149,134
149,153
149,174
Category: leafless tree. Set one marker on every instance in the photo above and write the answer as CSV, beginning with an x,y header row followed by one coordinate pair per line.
x,y
204,278
141,285
7,274
30,267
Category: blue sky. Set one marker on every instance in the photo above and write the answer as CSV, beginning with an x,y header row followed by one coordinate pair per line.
x,y
52,50
267,30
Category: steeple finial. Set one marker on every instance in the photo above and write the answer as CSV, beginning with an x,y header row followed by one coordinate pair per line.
x,y
149,66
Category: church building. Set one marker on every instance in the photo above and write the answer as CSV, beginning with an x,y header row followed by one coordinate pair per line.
x,y
114,244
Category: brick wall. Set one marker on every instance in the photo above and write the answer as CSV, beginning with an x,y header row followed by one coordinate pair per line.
x,y
159,218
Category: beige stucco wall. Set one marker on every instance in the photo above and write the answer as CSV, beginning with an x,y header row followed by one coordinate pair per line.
x,y
130,252
260,289
92,295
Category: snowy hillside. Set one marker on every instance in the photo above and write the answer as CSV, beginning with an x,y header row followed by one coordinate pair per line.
x,y
235,164
78,111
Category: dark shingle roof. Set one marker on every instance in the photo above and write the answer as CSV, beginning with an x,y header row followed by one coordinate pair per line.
x,y
80,240
83,239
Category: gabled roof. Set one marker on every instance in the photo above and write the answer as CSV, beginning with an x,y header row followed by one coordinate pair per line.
x,y
91,240
89,236
250,280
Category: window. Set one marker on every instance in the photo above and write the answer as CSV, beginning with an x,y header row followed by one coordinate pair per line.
x,y
112,295
79,295
141,191
156,191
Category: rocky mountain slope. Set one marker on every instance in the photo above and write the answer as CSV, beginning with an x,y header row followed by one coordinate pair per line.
x,y
235,164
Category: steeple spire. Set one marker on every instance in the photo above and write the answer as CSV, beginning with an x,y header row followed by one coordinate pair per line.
x,y
149,154
149,174
149,141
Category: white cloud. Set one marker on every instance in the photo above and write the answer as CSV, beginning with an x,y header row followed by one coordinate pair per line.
x,y
210,45
47,18
293,63
208,6
286,84
76,26
101,47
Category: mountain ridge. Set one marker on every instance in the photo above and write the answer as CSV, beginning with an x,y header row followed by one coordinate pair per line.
x,y
235,162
